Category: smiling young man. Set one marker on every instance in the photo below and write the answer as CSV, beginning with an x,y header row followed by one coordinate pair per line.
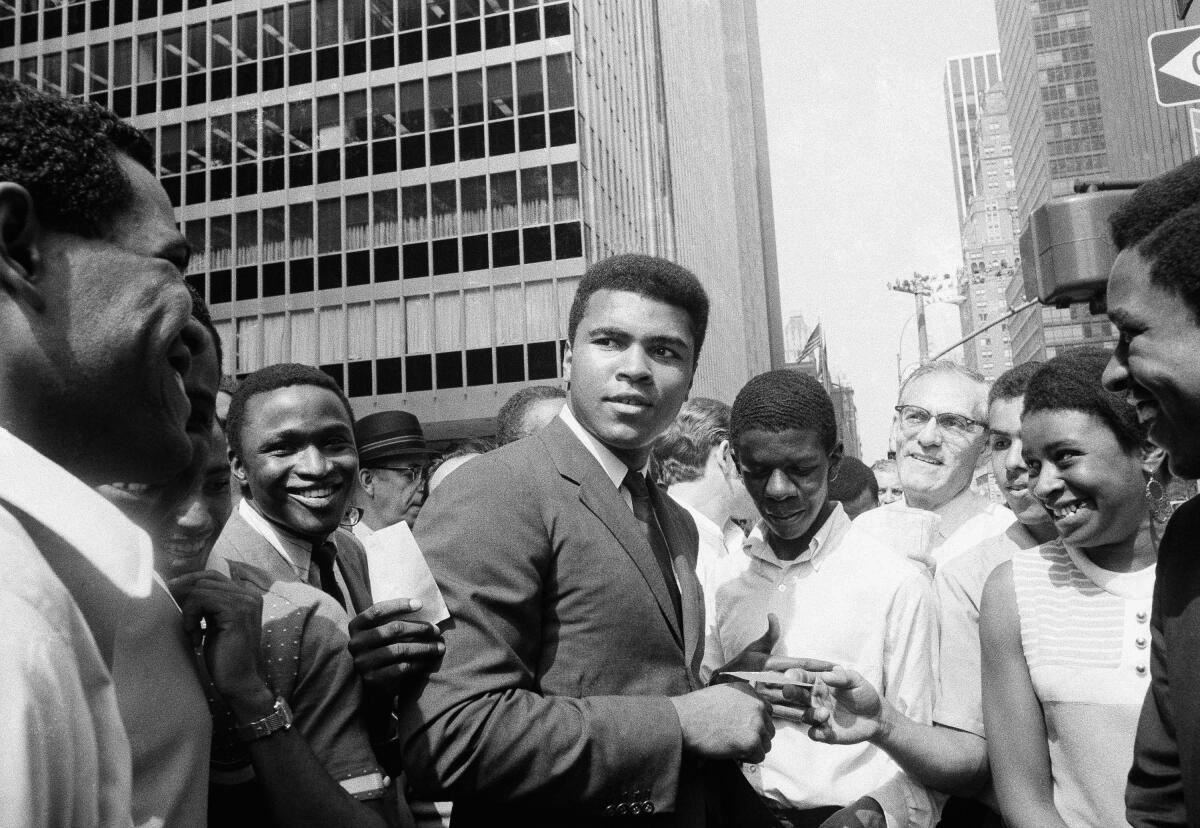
x,y
1154,301
840,596
569,694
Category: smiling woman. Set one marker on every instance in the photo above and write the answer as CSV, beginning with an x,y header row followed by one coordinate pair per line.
x,y
1064,627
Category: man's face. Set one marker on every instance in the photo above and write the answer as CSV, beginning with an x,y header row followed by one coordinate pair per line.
x,y
1004,444
936,465
188,535
150,504
630,368
1155,363
890,489
118,339
787,474
297,458
398,489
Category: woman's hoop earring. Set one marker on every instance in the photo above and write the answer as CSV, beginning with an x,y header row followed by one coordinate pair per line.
x,y
1157,500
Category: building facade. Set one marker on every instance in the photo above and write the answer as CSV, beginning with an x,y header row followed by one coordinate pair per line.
x,y
964,85
406,192
989,232
1082,107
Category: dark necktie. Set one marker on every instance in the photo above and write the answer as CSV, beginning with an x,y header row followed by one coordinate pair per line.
x,y
643,510
321,575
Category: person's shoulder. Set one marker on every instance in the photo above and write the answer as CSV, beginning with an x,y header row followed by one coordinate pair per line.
x,y
985,556
874,557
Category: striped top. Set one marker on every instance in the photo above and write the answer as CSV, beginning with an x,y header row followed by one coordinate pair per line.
x,y
1085,633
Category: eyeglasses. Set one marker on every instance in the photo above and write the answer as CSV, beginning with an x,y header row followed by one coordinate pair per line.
x,y
413,473
352,517
913,418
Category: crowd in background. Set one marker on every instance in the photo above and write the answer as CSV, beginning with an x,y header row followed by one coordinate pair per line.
x,y
648,606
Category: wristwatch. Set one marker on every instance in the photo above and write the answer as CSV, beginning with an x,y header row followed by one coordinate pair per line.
x,y
280,718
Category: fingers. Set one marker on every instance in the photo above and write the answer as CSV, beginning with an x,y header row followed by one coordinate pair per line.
x,y
805,665
766,642
385,666
384,612
392,632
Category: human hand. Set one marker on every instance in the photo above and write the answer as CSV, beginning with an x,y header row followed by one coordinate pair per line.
x,y
229,617
390,652
754,657
727,721
843,707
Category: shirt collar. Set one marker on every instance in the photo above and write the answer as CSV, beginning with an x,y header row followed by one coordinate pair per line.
x,y
613,467
825,538
64,504
294,549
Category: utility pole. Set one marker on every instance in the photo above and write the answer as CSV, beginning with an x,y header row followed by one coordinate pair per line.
x,y
919,287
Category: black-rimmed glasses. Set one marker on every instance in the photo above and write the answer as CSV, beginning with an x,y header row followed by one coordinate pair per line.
x,y
913,418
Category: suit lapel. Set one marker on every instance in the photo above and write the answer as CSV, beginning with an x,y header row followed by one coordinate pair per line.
x,y
601,498
684,546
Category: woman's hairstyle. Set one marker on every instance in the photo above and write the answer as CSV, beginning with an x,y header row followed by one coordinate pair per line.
x,y
1071,382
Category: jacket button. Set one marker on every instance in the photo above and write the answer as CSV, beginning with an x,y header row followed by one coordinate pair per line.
x,y
1141,616
622,809
649,808
1140,643
609,810
635,808
1141,669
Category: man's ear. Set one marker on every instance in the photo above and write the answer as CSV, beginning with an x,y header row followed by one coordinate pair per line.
x,y
366,481
1153,457
567,365
835,461
20,260
725,460
238,469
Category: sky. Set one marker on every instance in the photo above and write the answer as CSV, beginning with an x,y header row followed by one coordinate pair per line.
x,y
861,174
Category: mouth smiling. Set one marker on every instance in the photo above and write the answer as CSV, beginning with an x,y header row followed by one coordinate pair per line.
x,y
925,458
319,496
1070,512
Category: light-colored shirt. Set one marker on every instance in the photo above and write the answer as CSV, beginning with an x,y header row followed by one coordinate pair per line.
x,y
614,469
293,549
165,713
65,753
849,600
1085,633
964,521
959,589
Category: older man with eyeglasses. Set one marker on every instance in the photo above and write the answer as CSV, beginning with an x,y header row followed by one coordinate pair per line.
x,y
393,470
940,433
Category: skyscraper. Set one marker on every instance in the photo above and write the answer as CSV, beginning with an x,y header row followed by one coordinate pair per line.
x,y
965,84
1081,107
406,192
989,233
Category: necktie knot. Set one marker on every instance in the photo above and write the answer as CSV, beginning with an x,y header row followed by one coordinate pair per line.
x,y
636,484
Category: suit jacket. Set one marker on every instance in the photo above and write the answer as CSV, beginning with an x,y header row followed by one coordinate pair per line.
x,y
1164,783
239,541
551,705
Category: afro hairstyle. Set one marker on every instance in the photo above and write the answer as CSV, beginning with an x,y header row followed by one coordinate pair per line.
x,y
1071,382
1154,202
784,399
272,378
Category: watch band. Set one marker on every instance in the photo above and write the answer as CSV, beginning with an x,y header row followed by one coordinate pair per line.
x,y
280,718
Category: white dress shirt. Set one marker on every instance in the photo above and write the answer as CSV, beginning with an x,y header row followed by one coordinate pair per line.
x,y
849,600
65,752
295,550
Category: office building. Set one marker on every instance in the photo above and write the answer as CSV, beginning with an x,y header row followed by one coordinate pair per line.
x,y
964,85
989,233
1082,108
406,192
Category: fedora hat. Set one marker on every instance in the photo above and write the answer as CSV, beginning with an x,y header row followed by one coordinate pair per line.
x,y
389,434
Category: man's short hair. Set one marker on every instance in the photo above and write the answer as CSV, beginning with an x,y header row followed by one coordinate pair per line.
x,y
946,366
886,466
1012,383
201,314
1154,202
272,378
1072,382
512,413
852,479
784,399
647,276
64,153
1171,250
681,452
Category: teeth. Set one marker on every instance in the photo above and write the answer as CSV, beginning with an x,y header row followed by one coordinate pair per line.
x,y
322,492
1066,511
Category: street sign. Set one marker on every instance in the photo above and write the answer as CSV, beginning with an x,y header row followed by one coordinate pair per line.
x,y
1175,57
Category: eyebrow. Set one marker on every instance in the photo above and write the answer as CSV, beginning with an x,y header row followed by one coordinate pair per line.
x,y
621,333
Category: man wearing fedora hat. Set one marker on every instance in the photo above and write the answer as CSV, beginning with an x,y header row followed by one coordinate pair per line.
x,y
392,470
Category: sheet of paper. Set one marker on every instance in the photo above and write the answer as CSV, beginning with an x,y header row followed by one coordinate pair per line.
x,y
398,570
769,677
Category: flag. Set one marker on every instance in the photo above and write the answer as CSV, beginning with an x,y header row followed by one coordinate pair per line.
x,y
815,340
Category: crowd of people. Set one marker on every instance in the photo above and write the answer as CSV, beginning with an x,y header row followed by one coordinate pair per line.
x,y
657,609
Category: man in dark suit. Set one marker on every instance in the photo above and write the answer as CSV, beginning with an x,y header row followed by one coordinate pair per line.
x,y
1154,301
569,693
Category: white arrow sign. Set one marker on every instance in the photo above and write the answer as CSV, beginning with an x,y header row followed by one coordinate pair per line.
x,y
1185,65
